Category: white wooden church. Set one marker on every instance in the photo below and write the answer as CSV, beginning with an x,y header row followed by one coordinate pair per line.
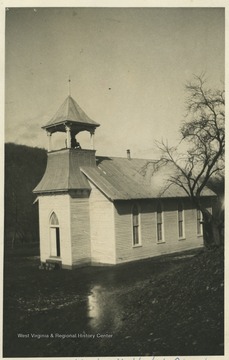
x,y
108,210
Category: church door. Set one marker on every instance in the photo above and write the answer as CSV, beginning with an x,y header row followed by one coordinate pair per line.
x,y
54,236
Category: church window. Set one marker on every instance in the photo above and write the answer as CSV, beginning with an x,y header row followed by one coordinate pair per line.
x,y
180,221
54,220
199,222
136,225
159,223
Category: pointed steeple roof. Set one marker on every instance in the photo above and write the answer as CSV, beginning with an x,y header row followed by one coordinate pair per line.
x,y
70,112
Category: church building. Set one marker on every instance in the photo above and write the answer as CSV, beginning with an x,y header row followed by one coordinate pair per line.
x,y
108,210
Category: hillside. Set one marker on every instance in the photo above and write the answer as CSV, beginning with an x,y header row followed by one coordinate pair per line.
x,y
24,167
165,306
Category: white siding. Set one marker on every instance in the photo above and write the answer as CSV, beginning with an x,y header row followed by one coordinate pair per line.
x,y
95,230
80,231
102,228
123,230
60,204
149,246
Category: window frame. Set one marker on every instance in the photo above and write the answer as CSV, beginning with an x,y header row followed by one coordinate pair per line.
x,y
56,219
162,240
138,226
199,222
180,210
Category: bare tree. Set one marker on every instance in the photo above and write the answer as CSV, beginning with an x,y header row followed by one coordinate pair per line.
x,y
203,134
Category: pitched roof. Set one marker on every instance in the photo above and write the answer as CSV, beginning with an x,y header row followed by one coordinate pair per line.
x,y
124,179
71,111
117,178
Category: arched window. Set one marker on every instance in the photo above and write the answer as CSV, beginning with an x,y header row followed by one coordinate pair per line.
x,y
54,220
199,222
159,223
136,225
180,221
54,235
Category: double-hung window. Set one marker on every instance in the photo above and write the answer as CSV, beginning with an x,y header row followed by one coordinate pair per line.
x,y
199,222
136,225
180,221
159,223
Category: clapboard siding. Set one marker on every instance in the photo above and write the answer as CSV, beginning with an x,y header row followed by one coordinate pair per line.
x,y
102,228
60,204
96,230
149,245
123,230
80,230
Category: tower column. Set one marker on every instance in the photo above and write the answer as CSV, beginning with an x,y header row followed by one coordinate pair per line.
x,y
49,141
92,139
68,132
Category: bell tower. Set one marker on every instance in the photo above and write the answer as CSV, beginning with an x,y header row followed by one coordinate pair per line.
x,y
70,119
64,190
63,165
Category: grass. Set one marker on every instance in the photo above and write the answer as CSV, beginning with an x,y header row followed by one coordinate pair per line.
x,y
169,305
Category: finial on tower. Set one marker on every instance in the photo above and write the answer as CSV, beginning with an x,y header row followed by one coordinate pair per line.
x,y
69,86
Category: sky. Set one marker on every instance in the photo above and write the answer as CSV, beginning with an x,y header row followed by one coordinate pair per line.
x,y
128,69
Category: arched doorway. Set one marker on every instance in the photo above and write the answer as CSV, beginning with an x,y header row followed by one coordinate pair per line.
x,y
54,236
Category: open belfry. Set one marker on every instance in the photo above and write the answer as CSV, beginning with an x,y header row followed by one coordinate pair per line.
x,y
108,210
64,190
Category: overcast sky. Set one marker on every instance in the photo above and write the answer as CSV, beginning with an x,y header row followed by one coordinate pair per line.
x,y
128,68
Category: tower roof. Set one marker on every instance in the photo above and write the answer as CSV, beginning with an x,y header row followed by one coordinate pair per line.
x,y
63,171
70,113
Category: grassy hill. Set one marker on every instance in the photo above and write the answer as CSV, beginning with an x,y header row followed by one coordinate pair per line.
x,y
168,305
24,167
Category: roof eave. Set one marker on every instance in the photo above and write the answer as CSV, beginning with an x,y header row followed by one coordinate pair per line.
x,y
59,190
72,122
158,197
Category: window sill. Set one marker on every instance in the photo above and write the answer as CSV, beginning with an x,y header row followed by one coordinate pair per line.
x,y
181,239
199,235
161,242
136,246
